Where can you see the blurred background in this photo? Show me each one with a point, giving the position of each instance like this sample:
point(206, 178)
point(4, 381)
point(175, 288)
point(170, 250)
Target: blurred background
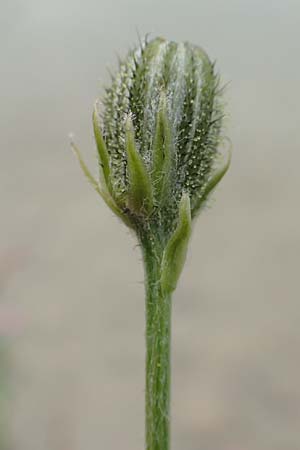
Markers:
point(71, 279)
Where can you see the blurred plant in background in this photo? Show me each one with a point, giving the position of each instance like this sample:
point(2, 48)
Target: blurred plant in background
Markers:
point(4, 390)
point(11, 322)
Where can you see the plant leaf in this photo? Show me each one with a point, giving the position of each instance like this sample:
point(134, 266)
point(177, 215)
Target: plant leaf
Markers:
point(175, 252)
point(103, 194)
point(215, 178)
point(140, 197)
point(102, 151)
point(162, 152)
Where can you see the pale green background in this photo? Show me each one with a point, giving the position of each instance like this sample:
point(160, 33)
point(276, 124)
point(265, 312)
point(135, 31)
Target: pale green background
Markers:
point(77, 361)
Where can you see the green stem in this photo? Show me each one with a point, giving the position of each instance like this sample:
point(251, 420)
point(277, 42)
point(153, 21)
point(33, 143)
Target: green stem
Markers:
point(158, 330)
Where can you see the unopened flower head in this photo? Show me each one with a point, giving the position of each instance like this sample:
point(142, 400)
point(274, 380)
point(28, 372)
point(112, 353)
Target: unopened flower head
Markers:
point(158, 127)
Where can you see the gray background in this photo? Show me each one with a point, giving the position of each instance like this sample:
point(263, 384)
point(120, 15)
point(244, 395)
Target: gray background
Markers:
point(71, 275)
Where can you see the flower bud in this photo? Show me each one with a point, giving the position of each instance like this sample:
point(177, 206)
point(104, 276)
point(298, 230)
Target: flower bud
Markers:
point(170, 94)
point(158, 129)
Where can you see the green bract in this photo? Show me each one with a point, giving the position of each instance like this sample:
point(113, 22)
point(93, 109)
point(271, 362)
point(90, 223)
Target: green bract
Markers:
point(157, 129)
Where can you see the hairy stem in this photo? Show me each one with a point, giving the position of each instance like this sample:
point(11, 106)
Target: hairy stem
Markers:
point(158, 330)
